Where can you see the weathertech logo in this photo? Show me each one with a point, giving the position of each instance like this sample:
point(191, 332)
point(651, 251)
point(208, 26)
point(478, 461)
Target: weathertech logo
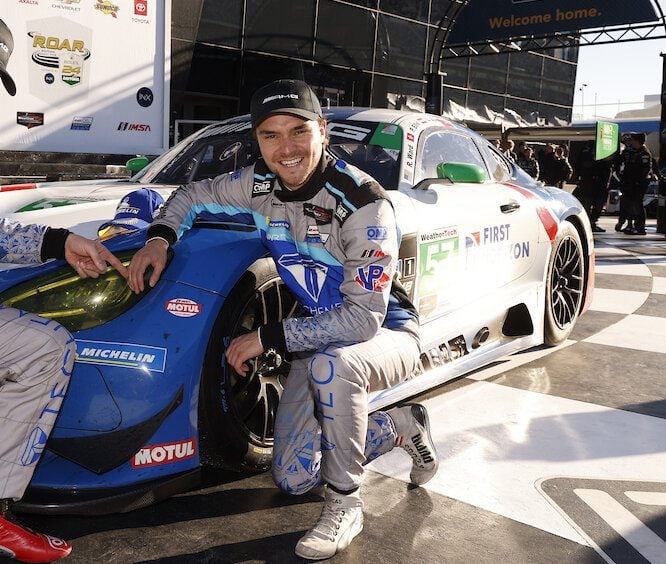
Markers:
point(154, 455)
point(140, 127)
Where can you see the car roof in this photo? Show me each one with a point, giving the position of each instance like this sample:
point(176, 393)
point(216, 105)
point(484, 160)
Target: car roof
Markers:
point(368, 114)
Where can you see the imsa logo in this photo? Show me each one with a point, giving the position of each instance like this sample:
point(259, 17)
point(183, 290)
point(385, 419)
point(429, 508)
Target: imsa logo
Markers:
point(138, 127)
point(155, 455)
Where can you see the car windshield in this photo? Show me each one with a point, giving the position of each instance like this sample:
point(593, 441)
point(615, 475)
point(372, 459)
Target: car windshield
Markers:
point(373, 147)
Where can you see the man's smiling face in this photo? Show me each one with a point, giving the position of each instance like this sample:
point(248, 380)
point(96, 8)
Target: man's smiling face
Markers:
point(291, 147)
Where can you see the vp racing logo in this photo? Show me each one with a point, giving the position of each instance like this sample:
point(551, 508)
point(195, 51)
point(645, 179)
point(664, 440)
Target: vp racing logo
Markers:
point(308, 273)
point(66, 55)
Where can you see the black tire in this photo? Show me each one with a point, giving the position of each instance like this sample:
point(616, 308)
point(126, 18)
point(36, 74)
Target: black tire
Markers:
point(237, 414)
point(565, 285)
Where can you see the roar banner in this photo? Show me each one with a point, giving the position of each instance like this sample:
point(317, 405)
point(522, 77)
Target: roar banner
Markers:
point(88, 75)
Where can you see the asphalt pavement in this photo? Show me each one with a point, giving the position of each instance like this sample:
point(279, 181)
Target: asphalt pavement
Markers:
point(549, 456)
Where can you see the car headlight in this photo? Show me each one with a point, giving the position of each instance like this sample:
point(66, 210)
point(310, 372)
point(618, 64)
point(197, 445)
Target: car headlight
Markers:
point(76, 303)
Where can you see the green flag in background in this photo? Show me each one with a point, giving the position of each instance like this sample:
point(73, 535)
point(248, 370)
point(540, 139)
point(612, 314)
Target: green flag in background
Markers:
point(607, 139)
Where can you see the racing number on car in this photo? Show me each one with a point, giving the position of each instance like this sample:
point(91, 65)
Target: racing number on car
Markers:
point(438, 256)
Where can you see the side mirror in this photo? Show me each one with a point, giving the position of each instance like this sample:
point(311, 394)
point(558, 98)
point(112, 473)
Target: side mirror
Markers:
point(461, 172)
point(136, 164)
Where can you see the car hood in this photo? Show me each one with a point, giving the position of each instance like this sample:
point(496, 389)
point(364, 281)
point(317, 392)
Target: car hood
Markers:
point(80, 205)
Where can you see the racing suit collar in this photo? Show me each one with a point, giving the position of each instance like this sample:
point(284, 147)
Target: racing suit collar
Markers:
point(310, 188)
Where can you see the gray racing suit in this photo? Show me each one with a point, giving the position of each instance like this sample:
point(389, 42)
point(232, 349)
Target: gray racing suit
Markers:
point(36, 359)
point(335, 245)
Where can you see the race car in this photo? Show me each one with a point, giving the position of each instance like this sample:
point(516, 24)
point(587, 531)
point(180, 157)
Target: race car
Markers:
point(494, 262)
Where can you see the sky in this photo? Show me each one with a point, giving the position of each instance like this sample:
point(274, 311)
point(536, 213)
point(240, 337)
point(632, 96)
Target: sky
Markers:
point(618, 76)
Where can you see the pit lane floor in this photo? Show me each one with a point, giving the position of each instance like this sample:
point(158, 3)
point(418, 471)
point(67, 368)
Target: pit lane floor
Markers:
point(553, 455)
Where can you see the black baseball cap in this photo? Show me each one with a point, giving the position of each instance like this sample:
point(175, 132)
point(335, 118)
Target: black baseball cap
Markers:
point(6, 48)
point(292, 97)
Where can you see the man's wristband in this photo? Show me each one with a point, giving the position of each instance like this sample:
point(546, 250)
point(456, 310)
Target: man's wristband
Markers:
point(156, 238)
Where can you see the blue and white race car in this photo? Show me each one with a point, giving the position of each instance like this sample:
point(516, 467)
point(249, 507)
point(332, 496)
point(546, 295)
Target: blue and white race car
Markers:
point(494, 262)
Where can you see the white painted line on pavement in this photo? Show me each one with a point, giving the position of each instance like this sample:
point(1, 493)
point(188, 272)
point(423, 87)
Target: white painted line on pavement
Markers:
point(626, 524)
point(617, 301)
point(639, 332)
point(495, 442)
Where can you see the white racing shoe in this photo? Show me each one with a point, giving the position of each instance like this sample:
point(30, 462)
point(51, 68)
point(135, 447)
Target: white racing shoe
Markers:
point(340, 521)
point(413, 429)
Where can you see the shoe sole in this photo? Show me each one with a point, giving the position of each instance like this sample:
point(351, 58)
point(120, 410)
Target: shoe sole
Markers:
point(426, 425)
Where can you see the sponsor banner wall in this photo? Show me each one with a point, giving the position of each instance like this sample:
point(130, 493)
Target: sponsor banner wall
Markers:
point(90, 75)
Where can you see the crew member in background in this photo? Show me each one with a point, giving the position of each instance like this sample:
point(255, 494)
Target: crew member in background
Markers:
point(635, 179)
point(592, 184)
point(528, 162)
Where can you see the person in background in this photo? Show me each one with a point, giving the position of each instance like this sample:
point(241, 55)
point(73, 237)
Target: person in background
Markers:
point(509, 150)
point(635, 179)
point(36, 360)
point(332, 231)
point(564, 168)
point(592, 184)
point(528, 162)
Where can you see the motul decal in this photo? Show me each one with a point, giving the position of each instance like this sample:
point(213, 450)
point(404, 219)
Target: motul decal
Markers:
point(182, 307)
point(154, 455)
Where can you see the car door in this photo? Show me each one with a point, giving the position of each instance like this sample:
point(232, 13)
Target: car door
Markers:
point(473, 238)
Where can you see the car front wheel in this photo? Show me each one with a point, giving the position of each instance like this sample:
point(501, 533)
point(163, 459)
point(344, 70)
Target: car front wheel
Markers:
point(237, 413)
point(564, 285)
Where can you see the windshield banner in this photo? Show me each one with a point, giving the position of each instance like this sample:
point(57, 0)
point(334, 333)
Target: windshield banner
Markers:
point(86, 76)
point(506, 19)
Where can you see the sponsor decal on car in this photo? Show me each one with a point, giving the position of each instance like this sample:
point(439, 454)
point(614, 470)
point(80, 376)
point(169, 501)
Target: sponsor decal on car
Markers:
point(30, 119)
point(128, 355)
point(107, 8)
point(138, 127)
point(82, 123)
point(496, 233)
point(183, 307)
point(372, 278)
point(31, 2)
point(166, 453)
point(438, 265)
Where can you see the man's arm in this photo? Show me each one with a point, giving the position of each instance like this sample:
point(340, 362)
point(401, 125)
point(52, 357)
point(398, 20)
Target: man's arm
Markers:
point(227, 194)
point(32, 244)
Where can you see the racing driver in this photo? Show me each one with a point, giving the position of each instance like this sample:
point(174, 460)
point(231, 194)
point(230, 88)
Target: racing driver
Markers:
point(332, 232)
